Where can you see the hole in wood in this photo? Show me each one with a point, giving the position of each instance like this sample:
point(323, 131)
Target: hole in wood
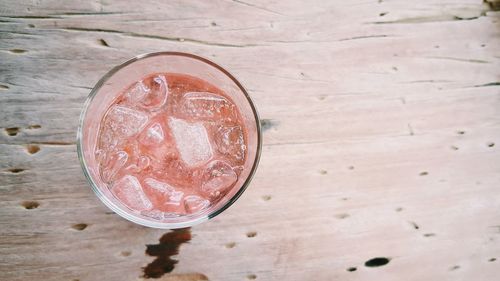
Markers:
point(12, 131)
point(266, 197)
point(454, 147)
point(342, 216)
point(376, 262)
point(455, 267)
point(461, 132)
point(17, 51)
point(351, 269)
point(32, 148)
point(414, 225)
point(125, 253)
point(251, 276)
point(16, 170)
point(423, 173)
point(323, 172)
point(30, 204)
point(230, 245)
point(31, 25)
point(251, 234)
point(429, 234)
point(399, 209)
point(3, 87)
point(350, 167)
point(492, 259)
point(491, 144)
point(79, 226)
point(103, 42)
point(34, 126)
point(213, 23)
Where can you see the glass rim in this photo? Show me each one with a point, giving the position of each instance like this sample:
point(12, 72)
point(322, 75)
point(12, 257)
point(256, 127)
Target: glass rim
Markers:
point(132, 217)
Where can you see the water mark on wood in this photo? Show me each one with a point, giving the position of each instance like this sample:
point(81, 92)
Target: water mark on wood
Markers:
point(168, 246)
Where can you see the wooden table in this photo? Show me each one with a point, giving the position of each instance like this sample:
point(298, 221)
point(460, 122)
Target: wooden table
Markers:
point(381, 156)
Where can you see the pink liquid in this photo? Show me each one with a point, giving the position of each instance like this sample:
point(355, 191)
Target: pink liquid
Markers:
point(170, 145)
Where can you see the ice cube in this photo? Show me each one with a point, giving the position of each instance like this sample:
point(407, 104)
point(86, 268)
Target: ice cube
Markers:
point(143, 162)
point(123, 122)
point(206, 106)
point(219, 178)
point(100, 156)
point(114, 163)
point(129, 191)
point(191, 140)
point(150, 93)
point(152, 135)
point(137, 92)
point(194, 203)
point(230, 141)
point(140, 164)
point(174, 196)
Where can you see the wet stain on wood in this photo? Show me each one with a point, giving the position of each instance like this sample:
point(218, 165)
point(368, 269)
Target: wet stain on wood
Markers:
point(163, 251)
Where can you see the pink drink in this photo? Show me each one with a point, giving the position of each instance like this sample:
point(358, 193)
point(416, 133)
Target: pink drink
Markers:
point(171, 145)
point(169, 140)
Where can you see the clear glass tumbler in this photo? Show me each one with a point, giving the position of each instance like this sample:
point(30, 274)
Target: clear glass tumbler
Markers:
point(115, 81)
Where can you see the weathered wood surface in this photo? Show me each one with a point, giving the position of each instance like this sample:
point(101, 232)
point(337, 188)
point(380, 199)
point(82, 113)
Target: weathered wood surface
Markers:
point(382, 138)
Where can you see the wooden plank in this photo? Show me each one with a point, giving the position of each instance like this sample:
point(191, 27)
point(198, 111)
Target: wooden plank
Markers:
point(382, 135)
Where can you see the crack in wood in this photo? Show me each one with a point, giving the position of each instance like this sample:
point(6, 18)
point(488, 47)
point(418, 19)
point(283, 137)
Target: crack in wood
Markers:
point(430, 19)
point(171, 39)
point(17, 32)
point(425, 81)
point(457, 59)
point(41, 143)
point(86, 14)
point(257, 7)
point(488, 84)
point(53, 143)
point(32, 17)
point(364, 37)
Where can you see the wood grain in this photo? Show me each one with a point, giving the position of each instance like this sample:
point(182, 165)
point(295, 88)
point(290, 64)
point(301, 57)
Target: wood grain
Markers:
point(382, 138)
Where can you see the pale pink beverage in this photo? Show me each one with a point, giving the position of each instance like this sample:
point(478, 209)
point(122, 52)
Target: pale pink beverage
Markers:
point(168, 148)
